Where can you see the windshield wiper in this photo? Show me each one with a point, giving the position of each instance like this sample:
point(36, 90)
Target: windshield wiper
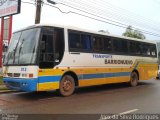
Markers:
point(7, 58)
point(34, 49)
point(10, 54)
point(20, 49)
point(15, 52)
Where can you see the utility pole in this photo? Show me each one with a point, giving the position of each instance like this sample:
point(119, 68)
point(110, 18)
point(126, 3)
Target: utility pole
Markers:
point(1, 41)
point(38, 11)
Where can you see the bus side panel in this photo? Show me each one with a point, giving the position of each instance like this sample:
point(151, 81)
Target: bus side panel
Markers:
point(147, 70)
point(49, 79)
point(98, 76)
point(100, 81)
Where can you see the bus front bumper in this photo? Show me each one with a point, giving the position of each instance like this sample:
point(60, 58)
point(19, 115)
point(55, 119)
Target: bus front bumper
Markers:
point(28, 85)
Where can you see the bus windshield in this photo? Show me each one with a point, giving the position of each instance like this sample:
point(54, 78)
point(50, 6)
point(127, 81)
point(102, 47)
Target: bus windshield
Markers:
point(23, 47)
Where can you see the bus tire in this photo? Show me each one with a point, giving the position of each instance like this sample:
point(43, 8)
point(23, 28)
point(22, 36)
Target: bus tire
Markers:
point(67, 85)
point(134, 79)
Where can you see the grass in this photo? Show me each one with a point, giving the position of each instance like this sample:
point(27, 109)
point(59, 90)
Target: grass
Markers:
point(1, 82)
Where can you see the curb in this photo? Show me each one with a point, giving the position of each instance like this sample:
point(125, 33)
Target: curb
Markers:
point(3, 87)
point(3, 90)
point(7, 91)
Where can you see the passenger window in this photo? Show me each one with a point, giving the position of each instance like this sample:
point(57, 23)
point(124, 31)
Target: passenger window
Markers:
point(98, 44)
point(132, 47)
point(107, 44)
point(117, 45)
point(79, 42)
point(146, 49)
point(59, 45)
point(138, 48)
point(74, 41)
point(86, 42)
point(124, 46)
point(153, 50)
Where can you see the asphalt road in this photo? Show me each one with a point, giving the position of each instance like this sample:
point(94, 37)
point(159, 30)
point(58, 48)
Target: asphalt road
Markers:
point(105, 99)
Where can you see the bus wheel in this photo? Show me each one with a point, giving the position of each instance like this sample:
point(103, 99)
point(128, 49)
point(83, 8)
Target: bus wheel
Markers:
point(134, 79)
point(67, 85)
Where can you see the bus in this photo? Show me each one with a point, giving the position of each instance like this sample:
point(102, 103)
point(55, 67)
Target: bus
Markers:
point(55, 57)
point(158, 49)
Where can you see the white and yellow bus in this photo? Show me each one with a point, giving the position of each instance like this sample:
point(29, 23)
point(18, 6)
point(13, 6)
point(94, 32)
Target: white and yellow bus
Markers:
point(158, 51)
point(46, 57)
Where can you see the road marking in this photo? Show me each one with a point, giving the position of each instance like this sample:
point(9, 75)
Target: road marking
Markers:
point(128, 112)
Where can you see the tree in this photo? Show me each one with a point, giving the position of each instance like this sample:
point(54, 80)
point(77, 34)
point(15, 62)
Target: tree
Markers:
point(133, 33)
point(104, 31)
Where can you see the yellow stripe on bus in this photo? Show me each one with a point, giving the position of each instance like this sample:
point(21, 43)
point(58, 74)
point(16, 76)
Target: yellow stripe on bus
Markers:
point(48, 86)
point(100, 81)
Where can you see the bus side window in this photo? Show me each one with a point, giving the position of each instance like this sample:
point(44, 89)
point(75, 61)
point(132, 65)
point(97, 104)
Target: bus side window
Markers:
point(86, 42)
point(117, 45)
point(153, 51)
point(79, 42)
point(46, 52)
point(124, 46)
point(98, 44)
point(107, 44)
point(138, 48)
point(59, 45)
point(132, 47)
point(146, 49)
point(74, 41)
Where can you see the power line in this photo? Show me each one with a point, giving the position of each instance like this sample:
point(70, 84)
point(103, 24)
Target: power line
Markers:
point(129, 12)
point(118, 25)
point(99, 11)
point(112, 10)
point(117, 14)
point(130, 17)
point(121, 18)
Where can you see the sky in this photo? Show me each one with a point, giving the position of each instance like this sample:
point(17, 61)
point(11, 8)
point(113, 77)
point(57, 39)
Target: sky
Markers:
point(141, 14)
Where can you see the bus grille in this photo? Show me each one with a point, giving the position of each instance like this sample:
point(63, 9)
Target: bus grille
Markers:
point(13, 84)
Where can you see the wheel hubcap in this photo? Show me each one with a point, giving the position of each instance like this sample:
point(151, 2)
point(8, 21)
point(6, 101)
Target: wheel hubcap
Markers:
point(134, 79)
point(67, 85)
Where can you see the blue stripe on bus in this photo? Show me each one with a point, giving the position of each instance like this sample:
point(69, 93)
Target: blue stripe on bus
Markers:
point(90, 76)
point(31, 84)
point(22, 84)
point(104, 75)
point(43, 79)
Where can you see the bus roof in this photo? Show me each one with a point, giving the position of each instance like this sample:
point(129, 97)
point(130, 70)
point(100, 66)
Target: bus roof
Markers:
point(87, 31)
